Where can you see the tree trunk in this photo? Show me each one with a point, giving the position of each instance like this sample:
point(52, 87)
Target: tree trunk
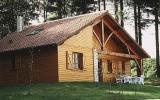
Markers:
point(121, 8)
point(157, 37)
point(139, 24)
point(64, 8)
point(12, 29)
point(2, 31)
point(59, 4)
point(135, 21)
point(45, 11)
point(116, 10)
point(99, 5)
point(104, 4)
point(85, 7)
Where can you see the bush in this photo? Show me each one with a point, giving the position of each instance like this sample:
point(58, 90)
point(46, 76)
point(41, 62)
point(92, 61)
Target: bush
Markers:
point(149, 67)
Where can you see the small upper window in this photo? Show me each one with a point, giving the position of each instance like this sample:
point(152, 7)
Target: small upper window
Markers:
point(77, 60)
point(35, 32)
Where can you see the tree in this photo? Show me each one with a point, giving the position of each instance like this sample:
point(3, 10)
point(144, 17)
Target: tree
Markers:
point(45, 4)
point(121, 13)
point(104, 4)
point(157, 37)
point(83, 6)
point(99, 5)
point(154, 10)
point(116, 10)
point(139, 24)
point(135, 20)
point(66, 8)
point(10, 9)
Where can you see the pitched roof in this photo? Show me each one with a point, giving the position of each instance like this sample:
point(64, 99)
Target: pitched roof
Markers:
point(127, 39)
point(53, 32)
point(56, 32)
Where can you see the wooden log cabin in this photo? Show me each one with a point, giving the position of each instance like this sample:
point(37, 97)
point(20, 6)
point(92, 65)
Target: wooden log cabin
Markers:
point(91, 48)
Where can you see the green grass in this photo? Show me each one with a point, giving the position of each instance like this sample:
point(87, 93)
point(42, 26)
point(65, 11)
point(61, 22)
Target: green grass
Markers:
point(152, 81)
point(80, 91)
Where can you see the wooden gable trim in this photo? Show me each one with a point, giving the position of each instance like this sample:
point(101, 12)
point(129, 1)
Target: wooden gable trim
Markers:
point(97, 38)
point(116, 34)
point(96, 22)
point(120, 55)
point(128, 51)
point(108, 39)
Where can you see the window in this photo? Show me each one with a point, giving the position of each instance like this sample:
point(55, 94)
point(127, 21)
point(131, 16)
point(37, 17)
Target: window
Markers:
point(109, 63)
point(34, 32)
point(77, 60)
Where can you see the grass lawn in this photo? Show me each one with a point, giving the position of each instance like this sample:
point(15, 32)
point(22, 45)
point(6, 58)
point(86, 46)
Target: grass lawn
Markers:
point(80, 91)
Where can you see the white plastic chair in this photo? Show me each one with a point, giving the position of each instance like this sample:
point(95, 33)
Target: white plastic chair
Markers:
point(141, 80)
point(127, 79)
point(138, 80)
point(119, 79)
point(135, 80)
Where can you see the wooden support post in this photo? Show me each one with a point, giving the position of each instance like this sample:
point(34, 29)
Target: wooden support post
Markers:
point(108, 39)
point(103, 35)
point(139, 67)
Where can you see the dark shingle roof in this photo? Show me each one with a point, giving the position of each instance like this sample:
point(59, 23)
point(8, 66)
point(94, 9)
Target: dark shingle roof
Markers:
point(54, 32)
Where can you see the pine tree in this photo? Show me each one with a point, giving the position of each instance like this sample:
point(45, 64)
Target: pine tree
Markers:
point(157, 37)
point(10, 9)
point(121, 13)
point(116, 10)
point(139, 24)
point(135, 20)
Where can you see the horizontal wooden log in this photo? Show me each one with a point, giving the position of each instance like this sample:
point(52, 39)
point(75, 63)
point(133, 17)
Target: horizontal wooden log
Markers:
point(119, 54)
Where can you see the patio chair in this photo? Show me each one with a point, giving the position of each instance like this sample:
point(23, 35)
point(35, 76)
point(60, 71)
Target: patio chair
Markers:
point(134, 80)
point(119, 79)
point(138, 80)
point(127, 79)
point(141, 80)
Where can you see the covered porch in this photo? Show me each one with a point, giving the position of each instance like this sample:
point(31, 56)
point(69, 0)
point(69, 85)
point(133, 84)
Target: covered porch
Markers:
point(113, 65)
point(115, 48)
